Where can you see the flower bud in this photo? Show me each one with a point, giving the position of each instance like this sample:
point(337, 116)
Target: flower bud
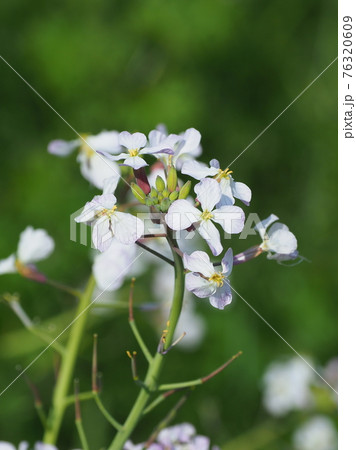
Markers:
point(165, 204)
point(173, 196)
point(153, 192)
point(149, 201)
point(160, 184)
point(172, 179)
point(165, 193)
point(138, 193)
point(184, 192)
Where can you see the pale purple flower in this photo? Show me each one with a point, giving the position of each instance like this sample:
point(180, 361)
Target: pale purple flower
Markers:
point(181, 215)
point(230, 188)
point(34, 246)
point(94, 167)
point(278, 241)
point(101, 213)
point(205, 281)
point(135, 146)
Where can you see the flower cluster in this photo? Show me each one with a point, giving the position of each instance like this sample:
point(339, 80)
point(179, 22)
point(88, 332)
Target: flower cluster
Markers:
point(177, 437)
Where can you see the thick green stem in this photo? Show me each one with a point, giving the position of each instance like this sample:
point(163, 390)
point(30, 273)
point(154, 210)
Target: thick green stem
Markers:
point(65, 375)
point(155, 366)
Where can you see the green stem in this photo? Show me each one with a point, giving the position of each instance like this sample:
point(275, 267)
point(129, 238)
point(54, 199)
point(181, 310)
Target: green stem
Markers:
point(82, 436)
point(106, 413)
point(155, 366)
point(140, 341)
point(65, 375)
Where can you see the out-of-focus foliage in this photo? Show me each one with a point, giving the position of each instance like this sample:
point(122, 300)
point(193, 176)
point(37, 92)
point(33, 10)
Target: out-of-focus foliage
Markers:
point(227, 68)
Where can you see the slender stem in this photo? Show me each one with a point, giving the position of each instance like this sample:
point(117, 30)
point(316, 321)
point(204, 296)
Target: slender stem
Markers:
point(59, 401)
point(63, 287)
point(155, 366)
point(169, 261)
point(106, 413)
point(140, 341)
point(81, 396)
point(82, 436)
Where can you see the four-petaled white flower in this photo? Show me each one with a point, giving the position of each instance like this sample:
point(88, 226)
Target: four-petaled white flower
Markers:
point(181, 215)
point(229, 187)
point(278, 242)
point(205, 281)
point(135, 145)
point(108, 223)
point(94, 167)
point(34, 246)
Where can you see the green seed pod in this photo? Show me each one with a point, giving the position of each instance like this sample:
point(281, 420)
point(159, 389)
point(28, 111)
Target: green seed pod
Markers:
point(160, 184)
point(173, 195)
point(153, 192)
point(138, 193)
point(184, 192)
point(172, 179)
point(165, 204)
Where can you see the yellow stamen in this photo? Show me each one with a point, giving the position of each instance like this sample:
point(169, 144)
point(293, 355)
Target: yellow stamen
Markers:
point(133, 151)
point(206, 215)
point(217, 278)
point(223, 174)
point(85, 148)
point(106, 212)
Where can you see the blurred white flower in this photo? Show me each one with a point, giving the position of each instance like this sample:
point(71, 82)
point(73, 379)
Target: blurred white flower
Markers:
point(318, 433)
point(177, 437)
point(25, 446)
point(287, 386)
point(94, 167)
point(230, 188)
point(278, 242)
point(34, 246)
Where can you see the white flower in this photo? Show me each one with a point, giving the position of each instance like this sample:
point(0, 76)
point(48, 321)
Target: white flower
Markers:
point(181, 215)
point(34, 246)
point(24, 446)
point(108, 223)
point(135, 145)
point(94, 167)
point(287, 386)
point(112, 266)
point(318, 433)
point(278, 242)
point(205, 281)
point(229, 187)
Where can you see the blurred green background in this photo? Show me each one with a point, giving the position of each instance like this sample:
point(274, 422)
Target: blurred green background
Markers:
point(227, 68)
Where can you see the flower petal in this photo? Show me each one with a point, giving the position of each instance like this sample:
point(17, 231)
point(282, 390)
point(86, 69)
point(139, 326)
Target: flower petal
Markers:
point(210, 233)
point(199, 261)
point(7, 265)
point(208, 193)
point(214, 163)
point(110, 184)
point(198, 170)
point(106, 141)
point(136, 162)
point(132, 141)
point(231, 218)
point(227, 262)
point(181, 215)
point(241, 191)
point(60, 147)
point(282, 241)
point(262, 226)
point(201, 287)
point(97, 168)
point(127, 228)
point(222, 297)
point(226, 198)
point(102, 234)
point(34, 245)
point(191, 140)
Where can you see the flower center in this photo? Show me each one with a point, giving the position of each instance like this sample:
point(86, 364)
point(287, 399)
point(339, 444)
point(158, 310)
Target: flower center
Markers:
point(206, 215)
point(85, 148)
point(107, 212)
point(217, 278)
point(223, 174)
point(133, 151)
